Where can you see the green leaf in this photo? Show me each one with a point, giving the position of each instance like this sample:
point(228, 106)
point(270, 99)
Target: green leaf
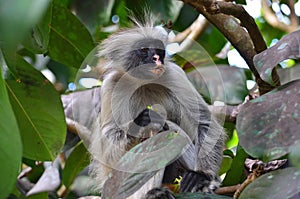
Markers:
point(289, 74)
point(17, 17)
point(294, 156)
point(43, 195)
point(278, 184)
point(10, 144)
point(38, 38)
point(287, 47)
point(142, 162)
point(226, 164)
point(38, 110)
point(77, 161)
point(93, 13)
point(70, 42)
point(269, 125)
point(235, 174)
point(222, 83)
point(241, 2)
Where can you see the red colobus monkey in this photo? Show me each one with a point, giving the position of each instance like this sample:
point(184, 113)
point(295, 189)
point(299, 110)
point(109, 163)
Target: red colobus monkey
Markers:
point(138, 74)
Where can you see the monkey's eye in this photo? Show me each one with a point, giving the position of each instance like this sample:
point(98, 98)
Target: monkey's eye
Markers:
point(144, 50)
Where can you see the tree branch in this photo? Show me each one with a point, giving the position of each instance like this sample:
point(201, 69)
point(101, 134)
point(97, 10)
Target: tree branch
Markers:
point(236, 34)
point(271, 18)
point(246, 20)
point(191, 33)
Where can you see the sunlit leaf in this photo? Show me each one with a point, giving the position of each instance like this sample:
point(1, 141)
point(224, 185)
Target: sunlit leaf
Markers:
point(49, 181)
point(226, 164)
point(278, 184)
point(10, 143)
point(269, 125)
point(38, 110)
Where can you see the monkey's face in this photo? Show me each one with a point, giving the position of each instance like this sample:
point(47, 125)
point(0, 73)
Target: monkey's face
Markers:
point(146, 60)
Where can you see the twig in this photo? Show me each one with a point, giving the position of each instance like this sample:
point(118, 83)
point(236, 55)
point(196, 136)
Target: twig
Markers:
point(251, 177)
point(227, 190)
point(223, 53)
point(271, 18)
point(189, 35)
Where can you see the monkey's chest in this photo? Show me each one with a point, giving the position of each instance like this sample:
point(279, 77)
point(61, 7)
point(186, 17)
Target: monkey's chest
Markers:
point(156, 97)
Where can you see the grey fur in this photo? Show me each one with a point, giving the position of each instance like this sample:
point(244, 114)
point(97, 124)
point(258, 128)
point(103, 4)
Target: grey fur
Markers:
point(123, 97)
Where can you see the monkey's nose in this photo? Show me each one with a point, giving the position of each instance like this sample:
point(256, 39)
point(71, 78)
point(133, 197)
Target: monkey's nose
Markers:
point(156, 59)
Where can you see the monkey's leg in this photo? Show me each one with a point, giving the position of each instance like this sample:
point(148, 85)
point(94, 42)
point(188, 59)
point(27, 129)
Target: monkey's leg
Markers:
point(208, 148)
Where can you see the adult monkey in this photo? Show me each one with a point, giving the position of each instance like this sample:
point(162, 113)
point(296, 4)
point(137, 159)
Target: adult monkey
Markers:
point(137, 75)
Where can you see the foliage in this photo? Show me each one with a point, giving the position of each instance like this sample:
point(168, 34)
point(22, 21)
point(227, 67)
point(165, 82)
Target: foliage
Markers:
point(63, 35)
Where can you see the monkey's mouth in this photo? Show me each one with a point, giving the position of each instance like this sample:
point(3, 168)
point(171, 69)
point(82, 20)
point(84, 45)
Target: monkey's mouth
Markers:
point(158, 69)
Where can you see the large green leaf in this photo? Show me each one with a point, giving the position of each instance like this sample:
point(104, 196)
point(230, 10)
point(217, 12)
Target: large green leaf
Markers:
point(235, 174)
point(269, 125)
point(38, 110)
point(287, 47)
point(289, 74)
point(93, 13)
point(70, 42)
point(10, 143)
point(142, 162)
point(77, 161)
point(278, 184)
point(17, 17)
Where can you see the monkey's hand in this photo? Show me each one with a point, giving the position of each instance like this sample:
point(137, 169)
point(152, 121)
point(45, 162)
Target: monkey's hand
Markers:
point(198, 182)
point(147, 124)
point(159, 193)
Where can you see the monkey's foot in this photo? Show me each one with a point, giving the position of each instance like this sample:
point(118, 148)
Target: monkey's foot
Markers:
point(159, 193)
point(198, 182)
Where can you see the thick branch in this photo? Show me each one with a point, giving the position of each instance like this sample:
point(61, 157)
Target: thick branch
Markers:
point(238, 37)
point(246, 20)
